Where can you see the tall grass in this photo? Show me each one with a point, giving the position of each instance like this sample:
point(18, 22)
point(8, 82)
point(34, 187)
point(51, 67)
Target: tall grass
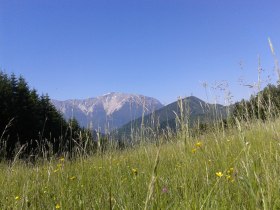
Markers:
point(237, 171)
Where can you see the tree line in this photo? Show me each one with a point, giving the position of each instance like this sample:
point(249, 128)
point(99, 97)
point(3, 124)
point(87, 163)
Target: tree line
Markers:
point(30, 123)
point(262, 106)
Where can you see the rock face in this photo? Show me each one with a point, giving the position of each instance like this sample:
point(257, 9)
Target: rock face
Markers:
point(109, 111)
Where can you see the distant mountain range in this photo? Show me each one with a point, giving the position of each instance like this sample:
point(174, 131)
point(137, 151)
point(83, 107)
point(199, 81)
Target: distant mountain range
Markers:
point(107, 112)
point(120, 112)
point(192, 108)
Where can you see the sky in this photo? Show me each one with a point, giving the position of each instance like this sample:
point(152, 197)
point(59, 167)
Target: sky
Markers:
point(160, 48)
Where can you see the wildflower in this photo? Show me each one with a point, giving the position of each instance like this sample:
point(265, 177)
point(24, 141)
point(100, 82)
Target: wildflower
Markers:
point(61, 159)
point(230, 171)
point(57, 206)
point(230, 178)
point(17, 198)
point(219, 174)
point(198, 144)
point(194, 150)
point(135, 171)
point(73, 178)
point(164, 190)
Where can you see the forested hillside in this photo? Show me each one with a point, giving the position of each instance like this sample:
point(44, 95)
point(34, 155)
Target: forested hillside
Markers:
point(30, 123)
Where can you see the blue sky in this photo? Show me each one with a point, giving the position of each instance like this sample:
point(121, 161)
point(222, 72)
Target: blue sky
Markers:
point(159, 48)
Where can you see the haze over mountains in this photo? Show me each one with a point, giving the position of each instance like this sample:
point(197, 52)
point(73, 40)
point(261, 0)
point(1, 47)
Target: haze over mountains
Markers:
point(124, 111)
point(109, 111)
point(192, 108)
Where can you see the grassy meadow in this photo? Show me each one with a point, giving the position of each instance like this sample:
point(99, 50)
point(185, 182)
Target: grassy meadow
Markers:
point(237, 168)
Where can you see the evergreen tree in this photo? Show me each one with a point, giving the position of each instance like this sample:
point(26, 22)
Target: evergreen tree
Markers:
point(29, 120)
point(264, 105)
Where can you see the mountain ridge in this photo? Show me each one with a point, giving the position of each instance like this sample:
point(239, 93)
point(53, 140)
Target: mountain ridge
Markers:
point(194, 110)
point(109, 111)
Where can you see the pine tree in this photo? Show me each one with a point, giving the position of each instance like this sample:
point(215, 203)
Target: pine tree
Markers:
point(35, 123)
point(263, 105)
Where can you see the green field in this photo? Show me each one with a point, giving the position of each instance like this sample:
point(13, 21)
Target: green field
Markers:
point(233, 169)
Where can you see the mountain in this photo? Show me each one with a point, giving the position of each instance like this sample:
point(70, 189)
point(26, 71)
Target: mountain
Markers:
point(194, 110)
point(109, 111)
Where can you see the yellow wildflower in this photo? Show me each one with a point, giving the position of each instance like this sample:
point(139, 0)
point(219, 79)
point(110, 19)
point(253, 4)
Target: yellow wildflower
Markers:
point(230, 171)
point(198, 144)
point(57, 206)
point(219, 174)
point(134, 171)
point(17, 198)
point(230, 178)
point(193, 150)
point(73, 178)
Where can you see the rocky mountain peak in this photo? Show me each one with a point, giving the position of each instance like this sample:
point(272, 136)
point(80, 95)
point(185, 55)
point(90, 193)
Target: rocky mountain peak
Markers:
point(115, 108)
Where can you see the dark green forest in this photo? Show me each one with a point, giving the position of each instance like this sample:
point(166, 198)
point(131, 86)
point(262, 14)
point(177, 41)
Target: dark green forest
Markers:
point(29, 123)
point(263, 106)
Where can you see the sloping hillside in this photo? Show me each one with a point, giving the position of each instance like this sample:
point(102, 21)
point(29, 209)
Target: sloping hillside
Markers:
point(189, 110)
